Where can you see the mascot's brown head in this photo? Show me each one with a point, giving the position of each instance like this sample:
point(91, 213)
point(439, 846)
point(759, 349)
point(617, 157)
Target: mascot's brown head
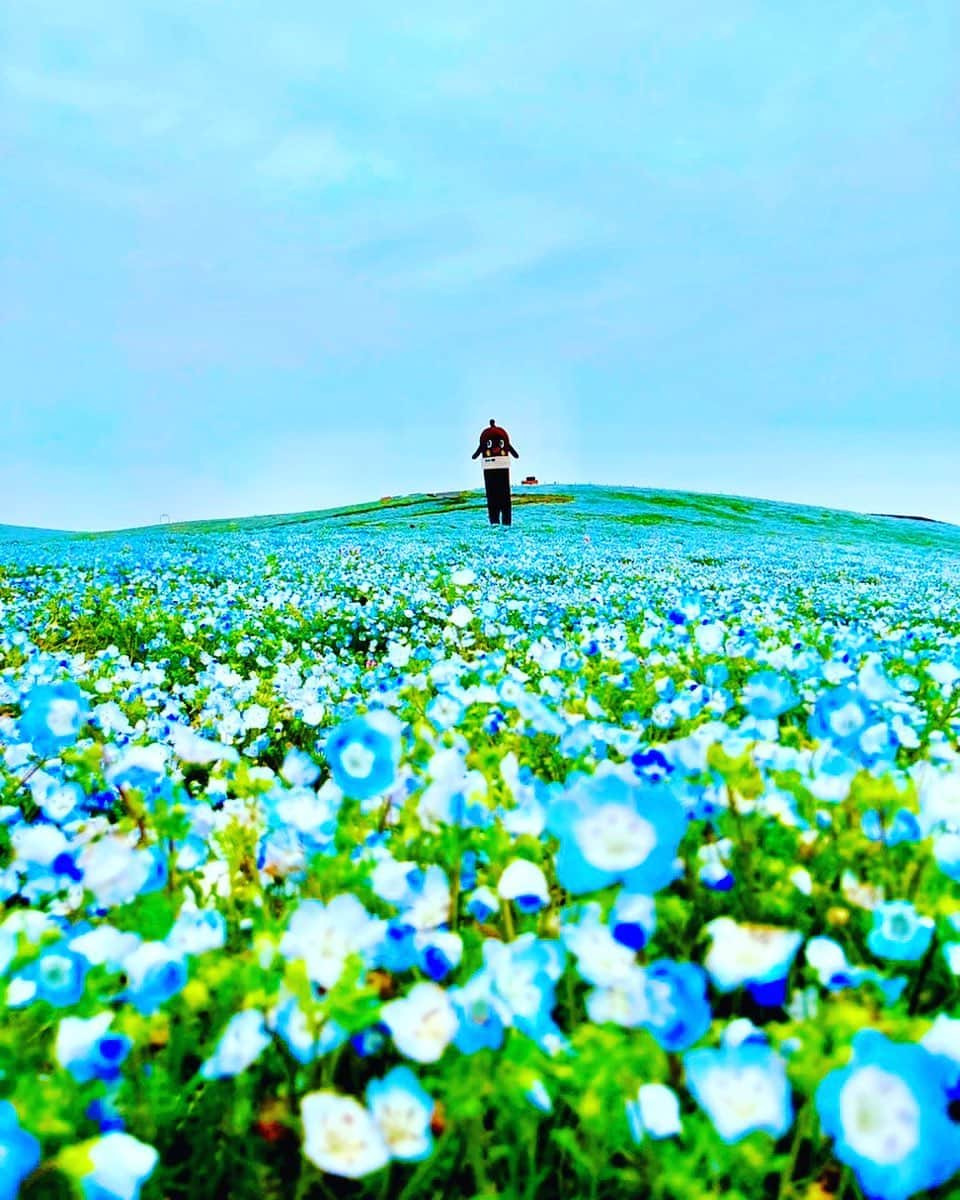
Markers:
point(494, 440)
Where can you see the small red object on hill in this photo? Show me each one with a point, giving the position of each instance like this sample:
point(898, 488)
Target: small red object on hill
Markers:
point(530, 479)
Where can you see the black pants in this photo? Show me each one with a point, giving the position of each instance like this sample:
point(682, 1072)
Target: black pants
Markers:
point(497, 483)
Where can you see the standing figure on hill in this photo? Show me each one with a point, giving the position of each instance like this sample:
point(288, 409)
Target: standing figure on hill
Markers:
point(496, 449)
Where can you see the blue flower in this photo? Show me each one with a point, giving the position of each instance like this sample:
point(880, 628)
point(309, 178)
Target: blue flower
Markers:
point(155, 972)
point(766, 695)
point(678, 1010)
point(633, 919)
point(611, 832)
point(524, 973)
point(364, 753)
point(19, 1152)
point(60, 976)
point(103, 1113)
point(306, 1039)
point(742, 1088)
point(841, 715)
point(241, 1044)
point(480, 1015)
point(887, 1113)
point(88, 1050)
point(899, 932)
point(53, 715)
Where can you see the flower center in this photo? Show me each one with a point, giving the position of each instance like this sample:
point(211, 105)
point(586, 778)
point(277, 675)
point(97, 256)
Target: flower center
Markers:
point(358, 760)
point(881, 1117)
point(62, 717)
point(615, 838)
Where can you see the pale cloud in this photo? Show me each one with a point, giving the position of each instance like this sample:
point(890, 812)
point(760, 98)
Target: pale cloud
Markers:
point(318, 157)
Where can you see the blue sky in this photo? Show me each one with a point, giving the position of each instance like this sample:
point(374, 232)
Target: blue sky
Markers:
point(268, 258)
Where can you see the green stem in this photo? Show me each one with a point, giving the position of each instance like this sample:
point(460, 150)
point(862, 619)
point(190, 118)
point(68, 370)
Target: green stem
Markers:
point(509, 929)
point(921, 975)
point(786, 1175)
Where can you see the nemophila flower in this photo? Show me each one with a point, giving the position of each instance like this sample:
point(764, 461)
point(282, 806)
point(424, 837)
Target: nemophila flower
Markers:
point(364, 754)
point(650, 764)
point(438, 952)
point(140, 767)
point(426, 901)
point(524, 973)
point(741, 1088)
point(59, 803)
point(88, 1050)
point(19, 1152)
point(714, 872)
point(114, 1167)
point(623, 1002)
point(241, 1044)
point(611, 832)
point(943, 1038)
point(678, 1012)
point(58, 975)
point(402, 1110)
point(38, 845)
point(307, 1038)
point(191, 747)
point(601, 959)
point(53, 715)
point(767, 695)
point(756, 956)
point(423, 1023)
point(525, 884)
point(104, 1114)
point(481, 1015)
point(654, 1113)
point(398, 951)
point(325, 935)
point(633, 919)
point(899, 932)
point(340, 1136)
point(444, 712)
point(299, 769)
point(946, 852)
point(113, 870)
point(828, 959)
point(197, 930)
point(155, 972)
point(104, 946)
point(887, 1114)
point(939, 796)
point(482, 904)
point(841, 715)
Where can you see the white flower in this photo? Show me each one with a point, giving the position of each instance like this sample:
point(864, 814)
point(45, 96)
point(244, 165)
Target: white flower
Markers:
point(423, 1023)
point(242, 1042)
point(943, 1037)
point(76, 1037)
point(340, 1136)
point(120, 1165)
point(656, 1111)
point(748, 953)
point(523, 878)
point(461, 616)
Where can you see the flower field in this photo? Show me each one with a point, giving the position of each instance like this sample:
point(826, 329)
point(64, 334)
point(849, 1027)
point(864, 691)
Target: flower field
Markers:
point(386, 854)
